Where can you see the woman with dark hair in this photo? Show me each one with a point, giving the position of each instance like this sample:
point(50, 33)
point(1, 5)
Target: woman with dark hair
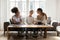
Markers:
point(16, 19)
point(41, 18)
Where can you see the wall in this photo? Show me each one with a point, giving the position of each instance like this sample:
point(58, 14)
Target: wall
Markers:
point(51, 8)
point(0, 13)
point(3, 14)
point(58, 11)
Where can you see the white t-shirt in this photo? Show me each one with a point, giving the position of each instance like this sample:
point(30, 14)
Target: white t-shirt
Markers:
point(29, 20)
point(16, 19)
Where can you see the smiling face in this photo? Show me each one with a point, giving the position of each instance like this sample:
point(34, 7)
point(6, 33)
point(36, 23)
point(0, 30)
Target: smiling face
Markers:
point(39, 11)
point(17, 13)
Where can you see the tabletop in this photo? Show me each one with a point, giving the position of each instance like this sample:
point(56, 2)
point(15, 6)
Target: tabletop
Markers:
point(31, 26)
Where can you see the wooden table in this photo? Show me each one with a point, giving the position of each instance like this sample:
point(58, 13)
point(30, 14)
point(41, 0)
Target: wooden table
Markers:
point(29, 26)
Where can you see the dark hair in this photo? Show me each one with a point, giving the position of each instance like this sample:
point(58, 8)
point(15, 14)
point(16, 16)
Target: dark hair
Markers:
point(14, 10)
point(40, 9)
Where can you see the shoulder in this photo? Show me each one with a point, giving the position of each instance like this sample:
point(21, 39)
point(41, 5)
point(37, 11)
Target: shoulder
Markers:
point(44, 13)
point(33, 17)
point(13, 16)
point(38, 16)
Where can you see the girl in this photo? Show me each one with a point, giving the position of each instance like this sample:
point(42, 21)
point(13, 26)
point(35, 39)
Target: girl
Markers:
point(30, 19)
point(16, 19)
point(41, 18)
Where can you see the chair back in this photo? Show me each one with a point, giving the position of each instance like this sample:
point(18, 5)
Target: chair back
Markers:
point(49, 20)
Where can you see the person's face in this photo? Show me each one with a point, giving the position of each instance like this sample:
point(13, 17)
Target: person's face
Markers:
point(18, 13)
point(31, 12)
point(38, 12)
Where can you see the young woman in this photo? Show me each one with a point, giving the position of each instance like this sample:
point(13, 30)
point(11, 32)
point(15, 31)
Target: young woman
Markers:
point(30, 19)
point(16, 19)
point(41, 17)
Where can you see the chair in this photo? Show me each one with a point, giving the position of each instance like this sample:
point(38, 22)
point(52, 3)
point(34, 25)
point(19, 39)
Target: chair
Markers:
point(54, 24)
point(58, 29)
point(49, 20)
point(5, 26)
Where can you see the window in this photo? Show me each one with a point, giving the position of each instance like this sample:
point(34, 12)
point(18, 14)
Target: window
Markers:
point(26, 5)
point(21, 4)
point(34, 4)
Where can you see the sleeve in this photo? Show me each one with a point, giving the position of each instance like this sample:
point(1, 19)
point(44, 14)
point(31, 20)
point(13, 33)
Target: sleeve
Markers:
point(38, 20)
point(44, 20)
point(13, 17)
point(20, 18)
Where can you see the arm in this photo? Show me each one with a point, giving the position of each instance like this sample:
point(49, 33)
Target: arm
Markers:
point(20, 21)
point(44, 20)
point(36, 20)
point(13, 20)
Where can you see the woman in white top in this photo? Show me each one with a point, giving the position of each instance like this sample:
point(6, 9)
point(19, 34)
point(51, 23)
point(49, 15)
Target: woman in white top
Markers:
point(30, 19)
point(16, 19)
point(41, 18)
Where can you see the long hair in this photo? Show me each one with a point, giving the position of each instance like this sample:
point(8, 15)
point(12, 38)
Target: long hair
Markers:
point(44, 15)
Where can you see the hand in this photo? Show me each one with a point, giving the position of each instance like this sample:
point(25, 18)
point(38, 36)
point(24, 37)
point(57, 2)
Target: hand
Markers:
point(35, 22)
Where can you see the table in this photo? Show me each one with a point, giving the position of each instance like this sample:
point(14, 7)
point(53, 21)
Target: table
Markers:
point(29, 26)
